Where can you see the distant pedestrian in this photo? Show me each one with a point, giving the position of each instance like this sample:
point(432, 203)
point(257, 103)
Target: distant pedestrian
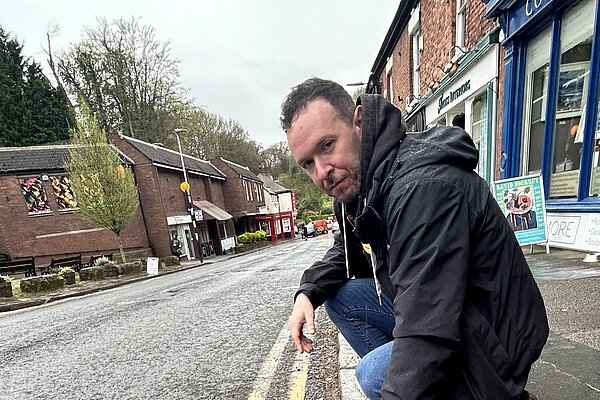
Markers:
point(176, 246)
point(305, 232)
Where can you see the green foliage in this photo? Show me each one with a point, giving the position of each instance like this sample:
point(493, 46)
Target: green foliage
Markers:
point(65, 271)
point(211, 136)
point(32, 111)
point(105, 190)
point(100, 261)
point(262, 235)
point(244, 238)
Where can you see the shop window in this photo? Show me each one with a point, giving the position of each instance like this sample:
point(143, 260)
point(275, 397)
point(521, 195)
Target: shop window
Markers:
point(479, 124)
point(416, 61)
point(572, 86)
point(62, 191)
point(538, 53)
point(35, 195)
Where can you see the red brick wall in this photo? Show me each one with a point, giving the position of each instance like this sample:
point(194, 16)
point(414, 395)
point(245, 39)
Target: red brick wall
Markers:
point(56, 234)
point(438, 30)
point(233, 189)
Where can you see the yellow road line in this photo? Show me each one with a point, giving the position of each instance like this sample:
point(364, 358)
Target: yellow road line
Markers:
point(265, 376)
point(298, 379)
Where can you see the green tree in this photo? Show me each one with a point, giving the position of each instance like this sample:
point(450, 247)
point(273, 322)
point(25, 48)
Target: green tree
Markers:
point(128, 78)
point(32, 111)
point(211, 136)
point(105, 190)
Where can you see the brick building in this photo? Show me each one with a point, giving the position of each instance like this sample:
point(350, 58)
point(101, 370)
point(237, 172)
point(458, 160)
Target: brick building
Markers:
point(158, 173)
point(245, 195)
point(441, 64)
point(280, 201)
point(39, 214)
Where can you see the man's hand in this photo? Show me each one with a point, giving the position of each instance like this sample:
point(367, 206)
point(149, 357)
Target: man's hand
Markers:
point(303, 313)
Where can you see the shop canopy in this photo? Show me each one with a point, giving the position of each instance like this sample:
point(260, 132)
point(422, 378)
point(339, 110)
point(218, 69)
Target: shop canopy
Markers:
point(212, 211)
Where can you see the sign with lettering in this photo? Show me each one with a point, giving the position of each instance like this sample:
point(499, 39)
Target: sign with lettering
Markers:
point(577, 231)
point(448, 98)
point(525, 13)
point(152, 266)
point(521, 199)
point(464, 84)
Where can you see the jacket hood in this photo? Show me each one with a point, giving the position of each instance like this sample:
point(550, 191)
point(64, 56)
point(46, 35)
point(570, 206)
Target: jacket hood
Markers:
point(382, 131)
point(387, 146)
point(448, 145)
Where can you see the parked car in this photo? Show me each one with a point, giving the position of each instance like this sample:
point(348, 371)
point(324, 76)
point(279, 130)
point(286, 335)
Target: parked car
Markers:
point(320, 226)
point(335, 226)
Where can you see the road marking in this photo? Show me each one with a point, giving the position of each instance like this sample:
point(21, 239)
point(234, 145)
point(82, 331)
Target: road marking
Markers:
point(299, 376)
point(265, 376)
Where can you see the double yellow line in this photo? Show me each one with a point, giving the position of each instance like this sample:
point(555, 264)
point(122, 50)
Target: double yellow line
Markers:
point(266, 374)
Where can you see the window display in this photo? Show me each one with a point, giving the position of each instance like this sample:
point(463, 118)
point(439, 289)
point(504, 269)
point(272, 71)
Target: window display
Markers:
point(536, 86)
point(479, 130)
point(572, 86)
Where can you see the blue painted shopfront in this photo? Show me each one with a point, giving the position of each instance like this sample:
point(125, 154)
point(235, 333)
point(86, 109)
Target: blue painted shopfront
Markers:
point(551, 121)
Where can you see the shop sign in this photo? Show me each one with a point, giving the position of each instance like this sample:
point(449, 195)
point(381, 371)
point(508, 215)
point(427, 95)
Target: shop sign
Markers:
point(198, 216)
point(521, 199)
point(575, 231)
point(179, 219)
point(446, 100)
point(524, 14)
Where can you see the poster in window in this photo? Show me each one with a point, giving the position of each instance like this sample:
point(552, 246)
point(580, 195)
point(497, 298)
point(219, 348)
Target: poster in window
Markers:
point(521, 199)
point(62, 191)
point(571, 86)
point(35, 196)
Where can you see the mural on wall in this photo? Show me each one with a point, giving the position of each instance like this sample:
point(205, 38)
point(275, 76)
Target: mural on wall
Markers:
point(35, 196)
point(62, 190)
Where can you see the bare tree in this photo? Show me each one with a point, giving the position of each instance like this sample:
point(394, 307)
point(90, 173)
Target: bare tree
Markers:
point(128, 78)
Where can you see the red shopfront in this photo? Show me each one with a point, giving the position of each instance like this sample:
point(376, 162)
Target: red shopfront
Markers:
point(278, 226)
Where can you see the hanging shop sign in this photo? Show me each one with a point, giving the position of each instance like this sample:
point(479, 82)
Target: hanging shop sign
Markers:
point(521, 199)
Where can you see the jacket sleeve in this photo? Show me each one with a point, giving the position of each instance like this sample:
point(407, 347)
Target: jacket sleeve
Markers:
point(326, 276)
point(428, 226)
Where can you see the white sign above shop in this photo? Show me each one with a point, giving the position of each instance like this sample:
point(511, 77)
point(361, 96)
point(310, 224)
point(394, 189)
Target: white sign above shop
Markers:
point(465, 84)
point(179, 219)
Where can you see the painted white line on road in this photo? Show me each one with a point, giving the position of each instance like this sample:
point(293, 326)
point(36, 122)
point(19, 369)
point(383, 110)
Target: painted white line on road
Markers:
point(265, 376)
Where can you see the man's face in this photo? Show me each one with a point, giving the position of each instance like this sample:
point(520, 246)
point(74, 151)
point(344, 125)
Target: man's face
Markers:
point(328, 149)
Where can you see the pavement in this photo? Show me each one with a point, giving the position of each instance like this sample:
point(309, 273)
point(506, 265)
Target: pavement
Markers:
point(569, 367)
point(87, 287)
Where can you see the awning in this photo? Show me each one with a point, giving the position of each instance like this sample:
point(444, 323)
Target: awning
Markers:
point(212, 211)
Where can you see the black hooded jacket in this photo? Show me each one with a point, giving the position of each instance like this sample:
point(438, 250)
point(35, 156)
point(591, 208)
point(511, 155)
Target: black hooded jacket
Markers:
point(470, 319)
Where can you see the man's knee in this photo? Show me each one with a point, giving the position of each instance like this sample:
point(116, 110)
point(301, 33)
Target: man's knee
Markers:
point(369, 379)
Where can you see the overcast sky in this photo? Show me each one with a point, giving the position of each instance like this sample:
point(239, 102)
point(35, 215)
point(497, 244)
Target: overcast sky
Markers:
point(238, 58)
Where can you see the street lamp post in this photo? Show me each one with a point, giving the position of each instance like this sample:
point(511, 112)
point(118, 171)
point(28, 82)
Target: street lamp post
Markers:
point(195, 236)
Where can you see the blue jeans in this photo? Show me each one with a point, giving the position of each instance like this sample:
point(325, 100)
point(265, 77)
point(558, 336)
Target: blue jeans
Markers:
point(367, 326)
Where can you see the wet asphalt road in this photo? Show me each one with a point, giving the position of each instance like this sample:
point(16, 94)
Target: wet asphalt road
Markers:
point(205, 333)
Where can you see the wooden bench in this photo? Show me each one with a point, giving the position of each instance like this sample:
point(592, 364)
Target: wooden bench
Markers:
point(64, 262)
point(93, 258)
point(24, 266)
